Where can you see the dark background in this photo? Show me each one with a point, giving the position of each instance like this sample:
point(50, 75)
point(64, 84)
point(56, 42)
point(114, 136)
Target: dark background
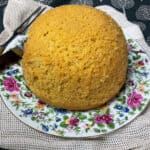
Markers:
point(137, 11)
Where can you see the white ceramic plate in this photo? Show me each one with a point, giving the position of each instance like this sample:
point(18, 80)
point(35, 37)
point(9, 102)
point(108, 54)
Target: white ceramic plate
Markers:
point(130, 102)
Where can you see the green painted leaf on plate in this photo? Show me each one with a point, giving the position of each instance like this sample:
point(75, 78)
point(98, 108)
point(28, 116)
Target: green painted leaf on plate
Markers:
point(126, 117)
point(33, 118)
point(65, 117)
point(111, 126)
point(104, 130)
point(97, 130)
point(101, 125)
point(136, 57)
point(82, 117)
point(63, 125)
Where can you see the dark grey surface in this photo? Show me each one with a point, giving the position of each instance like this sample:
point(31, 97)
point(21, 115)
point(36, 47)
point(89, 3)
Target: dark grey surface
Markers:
point(1, 17)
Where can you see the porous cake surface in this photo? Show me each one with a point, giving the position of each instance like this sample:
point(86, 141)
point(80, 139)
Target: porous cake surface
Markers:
point(75, 57)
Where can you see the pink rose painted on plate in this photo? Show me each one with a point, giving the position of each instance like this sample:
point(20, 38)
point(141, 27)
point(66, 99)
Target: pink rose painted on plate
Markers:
point(129, 47)
point(103, 119)
point(134, 99)
point(73, 121)
point(140, 63)
point(10, 84)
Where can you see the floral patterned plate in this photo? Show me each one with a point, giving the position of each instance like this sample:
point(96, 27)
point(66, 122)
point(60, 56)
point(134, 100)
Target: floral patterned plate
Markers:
point(128, 104)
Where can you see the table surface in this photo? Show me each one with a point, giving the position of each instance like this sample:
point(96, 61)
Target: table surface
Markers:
point(137, 11)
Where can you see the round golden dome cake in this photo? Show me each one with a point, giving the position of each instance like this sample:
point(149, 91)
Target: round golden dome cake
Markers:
point(75, 57)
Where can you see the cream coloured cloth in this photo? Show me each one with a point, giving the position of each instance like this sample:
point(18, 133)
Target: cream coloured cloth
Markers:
point(15, 135)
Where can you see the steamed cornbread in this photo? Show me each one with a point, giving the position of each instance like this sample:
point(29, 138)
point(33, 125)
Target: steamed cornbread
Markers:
point(75, 57)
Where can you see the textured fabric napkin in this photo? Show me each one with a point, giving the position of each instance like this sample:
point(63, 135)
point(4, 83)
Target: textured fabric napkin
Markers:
point(15, 135)
point(13, 17)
